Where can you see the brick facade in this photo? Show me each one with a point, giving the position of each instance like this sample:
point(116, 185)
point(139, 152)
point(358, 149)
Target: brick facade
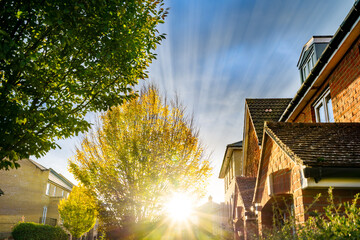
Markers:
point(252, 151)
point(345, 87)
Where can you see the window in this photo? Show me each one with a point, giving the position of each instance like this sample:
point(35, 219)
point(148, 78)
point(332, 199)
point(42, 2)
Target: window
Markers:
point(44, 215)
point(47, 189)
point(308, 66)
point(62, 193)
point(323, 108)
point(54, 194)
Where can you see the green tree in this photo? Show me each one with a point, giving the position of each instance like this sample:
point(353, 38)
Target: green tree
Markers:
point(60, 59)
point(78, 212)
point(142, 152)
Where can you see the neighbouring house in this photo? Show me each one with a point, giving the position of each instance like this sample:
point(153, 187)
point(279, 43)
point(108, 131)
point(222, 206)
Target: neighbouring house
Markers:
point(230, 169)
point(244, 219)
point(296, 148)
point(31, 194)
point(238, 190)
point(211, 219)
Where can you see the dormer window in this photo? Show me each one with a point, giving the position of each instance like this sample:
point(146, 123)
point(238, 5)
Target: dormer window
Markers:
point(310, 53)
point(323, 108)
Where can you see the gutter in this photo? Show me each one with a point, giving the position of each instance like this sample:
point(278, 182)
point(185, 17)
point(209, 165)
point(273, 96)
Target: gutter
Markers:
point(319, 173)
point(335, 42)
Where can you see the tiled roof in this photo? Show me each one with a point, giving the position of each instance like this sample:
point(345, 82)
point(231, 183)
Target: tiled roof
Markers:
point(246, 186)
point(318, 144)
point(228, 151)
point(265, 109)
point(235, 144)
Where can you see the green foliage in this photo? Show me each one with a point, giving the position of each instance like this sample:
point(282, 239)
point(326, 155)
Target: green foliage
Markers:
point(338, 221)
point(35, 231)
point(78, 212)
point(141, 152)
point(60, 59)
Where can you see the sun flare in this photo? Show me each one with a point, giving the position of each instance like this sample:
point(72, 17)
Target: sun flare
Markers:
point(180, 207)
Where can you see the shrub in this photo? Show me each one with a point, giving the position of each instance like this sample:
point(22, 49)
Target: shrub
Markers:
point(35, 231)
point(339, 221)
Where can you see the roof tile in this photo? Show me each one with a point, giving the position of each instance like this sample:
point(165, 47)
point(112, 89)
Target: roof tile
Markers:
point(319, 144)
point(265, 109)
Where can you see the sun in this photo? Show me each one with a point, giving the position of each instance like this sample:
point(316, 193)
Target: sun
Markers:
point(180, 207)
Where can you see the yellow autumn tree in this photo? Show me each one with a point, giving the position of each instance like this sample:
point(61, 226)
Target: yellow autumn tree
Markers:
point(139, 154)
point(78, 212)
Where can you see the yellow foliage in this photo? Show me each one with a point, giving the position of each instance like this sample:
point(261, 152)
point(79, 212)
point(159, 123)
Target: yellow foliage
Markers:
point(141, 152)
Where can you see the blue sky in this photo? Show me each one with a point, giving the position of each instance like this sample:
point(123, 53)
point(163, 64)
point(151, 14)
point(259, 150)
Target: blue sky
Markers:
point(217, 53)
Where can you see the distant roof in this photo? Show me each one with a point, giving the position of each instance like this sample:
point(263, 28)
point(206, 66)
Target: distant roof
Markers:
point(228, 151)
point(56, 174)
point(265, 109)
point(41, 167)
point(246, 186)
point(318, 144)
point(235, 144)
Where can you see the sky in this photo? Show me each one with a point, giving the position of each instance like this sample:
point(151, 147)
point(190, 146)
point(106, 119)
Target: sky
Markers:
point(217, 53)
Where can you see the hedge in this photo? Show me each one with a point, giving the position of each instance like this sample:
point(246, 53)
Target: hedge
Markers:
point(35, 231)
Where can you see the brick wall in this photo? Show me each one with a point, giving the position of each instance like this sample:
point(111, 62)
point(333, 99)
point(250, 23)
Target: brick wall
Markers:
point(276, 161)
point(345, 86)
point(253, 152)
point(344, 83)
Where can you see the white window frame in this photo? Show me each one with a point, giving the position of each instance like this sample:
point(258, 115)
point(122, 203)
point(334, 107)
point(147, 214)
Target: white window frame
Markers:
point(62, 193)
point(47, 192)
point(44, 215)
point(322, 102)
point(54, 193)
point(308, 65)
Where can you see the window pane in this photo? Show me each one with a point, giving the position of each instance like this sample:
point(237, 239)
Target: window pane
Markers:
point(310, 66)
point(313, 59)
point(329, 109)
point(321, 113)
point(47, 188)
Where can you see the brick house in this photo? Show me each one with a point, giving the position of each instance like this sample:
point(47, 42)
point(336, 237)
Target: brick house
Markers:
point(31, 194)
point(312, 141)
point(316, 143)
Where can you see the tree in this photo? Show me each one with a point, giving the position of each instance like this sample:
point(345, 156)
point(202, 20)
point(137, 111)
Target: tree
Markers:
point(78, 212)
point(142, 152)
point(60, 59)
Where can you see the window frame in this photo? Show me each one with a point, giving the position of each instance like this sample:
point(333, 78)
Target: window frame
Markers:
point(43, 220)
point(47, 191)
point(321, 101)
point(308, 65)
point(54, 193)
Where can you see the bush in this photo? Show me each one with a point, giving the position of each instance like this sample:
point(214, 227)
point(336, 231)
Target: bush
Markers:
point(339, 221)
point(35, 231)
